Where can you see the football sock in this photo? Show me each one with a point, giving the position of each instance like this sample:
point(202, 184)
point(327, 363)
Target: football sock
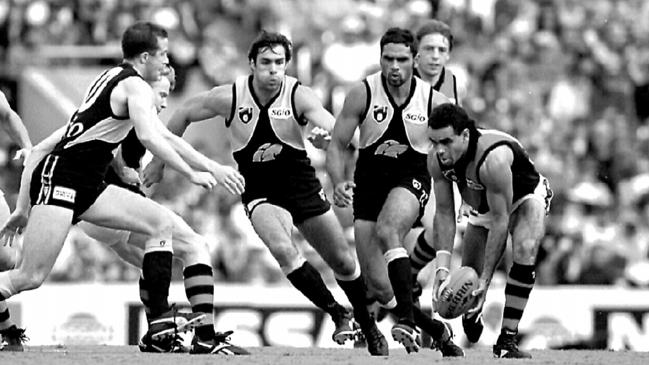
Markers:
point(520, 282)
point(355, 291)
point(156, 270)
point(144, 297)
point(399, 272)
point(199, 287)
point(308, 281)
point(5, 320)
point(422, 253)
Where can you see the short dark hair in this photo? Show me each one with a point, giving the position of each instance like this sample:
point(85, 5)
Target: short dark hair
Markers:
point(141, 37)
point(269, 40)
point(436, 26)
point(449, 114)
point(400, 36)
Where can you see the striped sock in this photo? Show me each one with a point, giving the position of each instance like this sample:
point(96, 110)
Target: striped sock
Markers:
point(144, 297)
point(199, 287)
point(520, 282)
point(422, 253)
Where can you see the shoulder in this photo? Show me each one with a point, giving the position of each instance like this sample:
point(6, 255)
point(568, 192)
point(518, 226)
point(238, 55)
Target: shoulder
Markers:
point(439, 98)
point(496, 164)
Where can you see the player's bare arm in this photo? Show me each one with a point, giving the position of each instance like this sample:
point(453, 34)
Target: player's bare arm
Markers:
point(443, 222)
point(342, 134)
point(309, 106)
point(18, 218)
point(12, 124)
point(496, 175)
point(138, 96)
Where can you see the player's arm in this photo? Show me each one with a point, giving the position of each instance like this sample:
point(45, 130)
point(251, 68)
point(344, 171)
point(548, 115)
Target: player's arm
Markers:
point(496, 175)
point(205, 105)
point(38, 153)
point(443, 222)
point(309, 106)
point(139, 99)
point(13, 125)
point(342, 134)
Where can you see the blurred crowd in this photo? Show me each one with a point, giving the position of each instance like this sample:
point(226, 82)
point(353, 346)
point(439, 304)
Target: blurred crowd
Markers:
point(569, 78)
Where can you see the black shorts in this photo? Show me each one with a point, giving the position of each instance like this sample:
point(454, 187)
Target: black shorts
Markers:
point(372, 191)
point(301, 194)
point(56, 181)
point(113, 179)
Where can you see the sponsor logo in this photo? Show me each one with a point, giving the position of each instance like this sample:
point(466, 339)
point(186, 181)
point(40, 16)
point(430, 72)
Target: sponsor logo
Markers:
point(267, 152)
point(64, 194)
point(245, 113)
point(415, 118)
point(280, 113)
point(390, 148)
point(380, 112)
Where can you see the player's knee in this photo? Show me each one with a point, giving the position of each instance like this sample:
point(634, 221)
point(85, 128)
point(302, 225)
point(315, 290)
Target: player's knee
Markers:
point(525, 250)
point(344, 264)
point(284, 253)
point(160, 224)
point(384, 232)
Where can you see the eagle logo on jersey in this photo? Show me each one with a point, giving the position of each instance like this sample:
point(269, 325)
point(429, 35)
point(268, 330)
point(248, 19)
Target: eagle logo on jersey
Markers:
point(245, 113)
point(267, 152)
point(390, 148)
point(380, 112)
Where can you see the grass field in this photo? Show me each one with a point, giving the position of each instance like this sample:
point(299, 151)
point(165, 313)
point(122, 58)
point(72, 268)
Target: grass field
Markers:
point(115, 355)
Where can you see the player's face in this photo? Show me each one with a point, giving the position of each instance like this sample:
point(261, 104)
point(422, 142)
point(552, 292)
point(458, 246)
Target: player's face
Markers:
point(157, 61)
point(396, 63)
point(270, 67)
point(434, 53)
point(160, 93)
point(449, 146)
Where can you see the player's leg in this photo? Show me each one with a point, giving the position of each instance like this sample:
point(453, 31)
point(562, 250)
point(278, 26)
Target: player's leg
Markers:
point(325, 234)
point(8, 255)
point(122, 209)
point(527, 228)
point(473, 245)
point(400, 210)
point(193, 250)
point(274, 225)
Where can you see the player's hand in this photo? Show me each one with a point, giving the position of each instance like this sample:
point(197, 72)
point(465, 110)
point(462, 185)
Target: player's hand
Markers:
point(24, 154)
point(479, 296)
point(14, 226)
point(465, 211)
point(319, 138)
point(439, 283)
point(130, 176)
point(153, 173)
point(204, 179)
point(343, 193)
point(230, 178)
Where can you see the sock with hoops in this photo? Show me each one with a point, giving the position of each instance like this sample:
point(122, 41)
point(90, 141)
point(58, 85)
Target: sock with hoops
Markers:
point(421, 254)
point(199, 287)
point(156, 270)
point(308, 281)
point(520, 282)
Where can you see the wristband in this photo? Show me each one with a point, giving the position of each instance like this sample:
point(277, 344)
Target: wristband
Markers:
point(443, 259)
point(442, 269)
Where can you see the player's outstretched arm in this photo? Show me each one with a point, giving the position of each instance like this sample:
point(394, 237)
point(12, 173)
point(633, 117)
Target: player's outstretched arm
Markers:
point(443, 222)
point(18, 218)
point(205, 105)
point(13, 125)
point(496, 175)
point(139, 98)
point(309, 105)
point(342, 134)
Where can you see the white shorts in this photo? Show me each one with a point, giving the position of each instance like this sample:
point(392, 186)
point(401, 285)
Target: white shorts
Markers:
point(542, 193)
